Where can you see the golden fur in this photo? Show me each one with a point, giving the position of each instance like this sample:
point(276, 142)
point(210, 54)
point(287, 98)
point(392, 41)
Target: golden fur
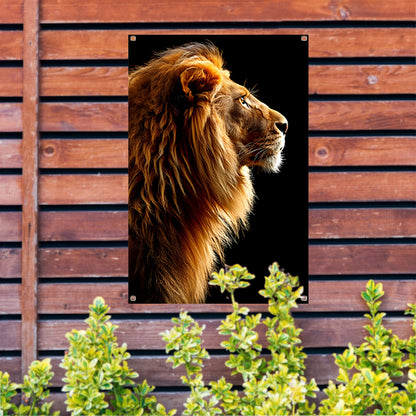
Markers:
point(192, 135)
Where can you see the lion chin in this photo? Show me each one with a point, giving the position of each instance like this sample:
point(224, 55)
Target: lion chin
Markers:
point(193, 136)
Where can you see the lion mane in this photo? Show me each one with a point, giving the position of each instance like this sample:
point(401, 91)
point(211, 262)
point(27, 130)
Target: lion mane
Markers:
point(193, 133)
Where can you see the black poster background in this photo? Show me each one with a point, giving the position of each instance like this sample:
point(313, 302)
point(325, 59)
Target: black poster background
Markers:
point(276, 67)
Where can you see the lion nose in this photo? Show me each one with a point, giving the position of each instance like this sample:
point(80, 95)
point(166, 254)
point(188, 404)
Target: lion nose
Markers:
point(282, 125)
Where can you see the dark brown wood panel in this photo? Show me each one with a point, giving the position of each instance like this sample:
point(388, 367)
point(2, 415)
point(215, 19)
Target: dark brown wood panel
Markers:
point(323, 43)
point(362, 259)
point(362, 223)
point(362, 186)
point(112, 262)
point(325, 296)
point(11, 45)
point(98, 11)
point(83, 153)
point(361, 115)
point(13, 340)
point(11, 117)
point(145, 334)
point(362, 151)
point(362, 79)
point(10, 299)
point(11, 82)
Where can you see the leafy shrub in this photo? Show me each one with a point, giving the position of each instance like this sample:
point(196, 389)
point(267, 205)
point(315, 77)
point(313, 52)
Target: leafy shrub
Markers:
point(98, 380)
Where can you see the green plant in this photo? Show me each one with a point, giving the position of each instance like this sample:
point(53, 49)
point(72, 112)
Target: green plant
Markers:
point(367, 373)
point(270, 387)
point(98, 380)
point(34, 389)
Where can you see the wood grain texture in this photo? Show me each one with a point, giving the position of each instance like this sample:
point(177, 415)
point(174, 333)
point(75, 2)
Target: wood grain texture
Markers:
point(11, 117)
point(324, 79)
point(362, 186)
point(362, 259)
point(362, 151)
point(362, 223)
point(145, 334)
point(362, 115)
point(112, 261)
point(11, 44)
point(83, 153)
point(323, 43)
point(11, 11)
point(10, 300)
point(325, 296)
point(11, 82)
point(213, 10)
point(362, 79)
point(10, 154)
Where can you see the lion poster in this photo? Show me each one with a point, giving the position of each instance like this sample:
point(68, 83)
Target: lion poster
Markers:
point(218, 162)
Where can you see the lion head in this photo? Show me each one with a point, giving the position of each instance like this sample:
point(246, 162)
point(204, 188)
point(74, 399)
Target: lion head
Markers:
point(193, 134)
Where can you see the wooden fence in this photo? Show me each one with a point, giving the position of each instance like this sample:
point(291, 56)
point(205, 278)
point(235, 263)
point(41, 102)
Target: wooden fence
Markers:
point(63, 161)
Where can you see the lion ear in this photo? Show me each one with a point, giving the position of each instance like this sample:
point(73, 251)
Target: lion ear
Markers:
point(200, 82)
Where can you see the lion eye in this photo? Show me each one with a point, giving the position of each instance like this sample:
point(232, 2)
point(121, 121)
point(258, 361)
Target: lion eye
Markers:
point(244, 103)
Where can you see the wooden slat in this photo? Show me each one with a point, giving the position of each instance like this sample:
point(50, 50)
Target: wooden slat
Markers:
point(11, 44)
point(145, 334)
point(112, 189)
point(85, 81)
point(10, 153)
point(11, 11)
point(112, 153)
point(362, 79)
point(98, 11)
point(362, 259)
point(362, 115)
point(323, 43)
point(30, 181)
point(11, 82)
point(10, 299)
point(325, 296)
point(324, 79)
point(83, 117)
point(112, 262)
point(83, 153)
point(362, 223)
point(11, 117)
point(14, 336)
point(362, 186)
point(10, 226)
point(362, 151)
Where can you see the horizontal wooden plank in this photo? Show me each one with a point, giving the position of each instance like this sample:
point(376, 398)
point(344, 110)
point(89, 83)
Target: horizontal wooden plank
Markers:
point(112, 188)
point(323, 115)
point(11, 82)
point(362, 115)
point(85, 81)
point(112, 262)
point(112, 153)
point(324, 79)
point(145, 334)
point(362, 151)
point(325, 296)
point(362, 186)
point(10, 299)
point(362, 223)
point(11, 11)
point(362, 79)
point(83, 116)
point(83, 153)
point(323, 43)
point(362, 259)
point(11, 45)
point(10, 226)
point(230, 11)
point(11, 117)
